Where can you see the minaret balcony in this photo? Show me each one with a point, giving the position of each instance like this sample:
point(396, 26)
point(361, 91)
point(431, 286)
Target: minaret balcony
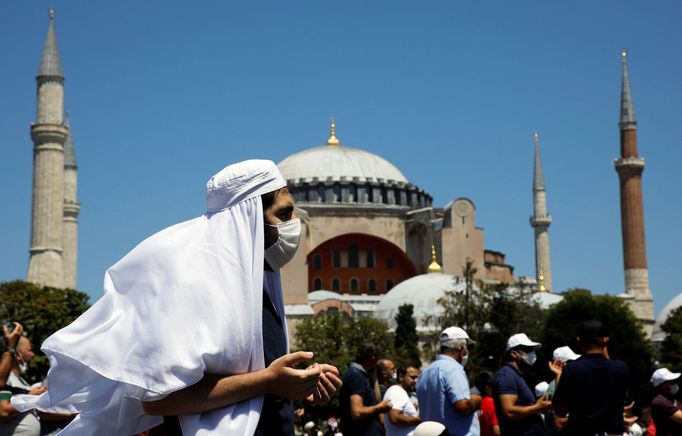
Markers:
point(49, 133)
point(629, 162)
point(540, 220)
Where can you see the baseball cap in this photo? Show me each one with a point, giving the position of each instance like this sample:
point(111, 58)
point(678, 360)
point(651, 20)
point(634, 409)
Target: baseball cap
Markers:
point(430, 428)
point(564, 354)
point(541, 388)
point(663, 375)
point(452, 333)
point(520, 339)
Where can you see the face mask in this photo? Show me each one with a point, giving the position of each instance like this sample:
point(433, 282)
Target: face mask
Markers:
point(282, 251)
point(394, 377)
point(529, 358)
point(465, 359)
point(674, 389)
point(23, 367)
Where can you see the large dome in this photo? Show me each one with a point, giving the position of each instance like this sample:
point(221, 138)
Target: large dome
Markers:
point(335, 162)
point(658, 334)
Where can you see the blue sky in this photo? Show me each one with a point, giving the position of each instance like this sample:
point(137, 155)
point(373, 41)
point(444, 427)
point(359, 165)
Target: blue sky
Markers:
point(164, 94)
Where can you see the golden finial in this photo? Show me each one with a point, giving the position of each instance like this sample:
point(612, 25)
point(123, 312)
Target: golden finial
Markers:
point(624, 56)
point(434, 267)
point(51, 14)
point(333, 140)
point(541, 283)
point(536, 137)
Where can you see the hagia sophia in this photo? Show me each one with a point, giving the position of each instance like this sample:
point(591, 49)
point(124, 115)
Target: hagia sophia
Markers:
point(371, 239)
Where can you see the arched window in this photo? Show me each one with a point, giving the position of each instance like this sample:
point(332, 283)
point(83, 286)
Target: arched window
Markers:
point(354, 286)
point(371, 286)
point(389, 285)
point(353, 256)
point(336, 259)
point(370, 259)
point(336, 285)
point(317, 284)
point(389, 262)
point(317, 261)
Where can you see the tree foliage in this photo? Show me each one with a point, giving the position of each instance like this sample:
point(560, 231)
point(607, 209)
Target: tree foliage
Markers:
point(671, 348)
point(490, 314)
point(42, 311)
point(626, 337)
point(406, 341)
point(334, 337)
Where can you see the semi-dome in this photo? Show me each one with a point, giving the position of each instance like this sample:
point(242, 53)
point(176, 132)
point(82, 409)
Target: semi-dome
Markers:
point(658, 335)
point(422, 292)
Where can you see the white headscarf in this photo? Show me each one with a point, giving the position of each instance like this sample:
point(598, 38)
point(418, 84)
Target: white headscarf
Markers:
point(184, 302)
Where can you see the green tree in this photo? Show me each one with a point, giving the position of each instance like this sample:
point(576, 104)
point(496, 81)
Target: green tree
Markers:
point(626, 337)
point(42, 311)
point(334, 338)
point(671, 348)
point(406, 339)
point(490, 314)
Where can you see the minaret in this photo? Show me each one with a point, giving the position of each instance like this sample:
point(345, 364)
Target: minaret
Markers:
point(48, 134)
point(540, 221)
point(71, 211)
point(629, 168)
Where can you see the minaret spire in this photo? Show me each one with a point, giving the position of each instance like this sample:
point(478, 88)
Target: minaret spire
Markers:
point(50, 63)
point(538, 176)
point(629, 168)
point(333, 140)
point(540, 221)
point(627, 109)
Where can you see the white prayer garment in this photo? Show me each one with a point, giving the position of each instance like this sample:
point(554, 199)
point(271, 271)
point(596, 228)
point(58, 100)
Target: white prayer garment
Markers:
point(184, 302)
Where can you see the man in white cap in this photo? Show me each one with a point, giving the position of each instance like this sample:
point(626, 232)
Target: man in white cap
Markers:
point(518, 411)
point(665, 409)
point(191, 324)
point(443, 388)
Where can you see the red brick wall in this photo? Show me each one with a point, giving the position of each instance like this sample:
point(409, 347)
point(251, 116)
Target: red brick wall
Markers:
point(382, 271)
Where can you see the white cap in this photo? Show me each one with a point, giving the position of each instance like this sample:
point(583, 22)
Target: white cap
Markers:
point(452, 333)
point(663, 375)
point(429, 428)
point(564, 354)
point(541, 388)
point(309, 426)
point(521, 339)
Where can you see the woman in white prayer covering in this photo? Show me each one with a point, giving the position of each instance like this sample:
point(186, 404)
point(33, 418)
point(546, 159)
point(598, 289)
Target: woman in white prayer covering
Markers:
point(179, 329)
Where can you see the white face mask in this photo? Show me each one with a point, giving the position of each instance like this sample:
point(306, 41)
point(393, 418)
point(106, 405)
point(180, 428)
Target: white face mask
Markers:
point(282, 251)
point(674, 389)
point(529, 358)
point(465, 359)
point(23, 367)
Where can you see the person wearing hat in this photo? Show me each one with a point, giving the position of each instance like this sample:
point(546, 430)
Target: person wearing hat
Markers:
point(518, 412)
point(560, 357)
point(443, 388)
point(665, 409)
point(591, 390)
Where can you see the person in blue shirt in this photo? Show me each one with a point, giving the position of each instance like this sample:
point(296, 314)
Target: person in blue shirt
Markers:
point(443, 388)
point(518, 412)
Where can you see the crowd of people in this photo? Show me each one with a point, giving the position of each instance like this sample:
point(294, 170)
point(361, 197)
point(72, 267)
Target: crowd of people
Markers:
point(125, 368)
point(586, 396)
